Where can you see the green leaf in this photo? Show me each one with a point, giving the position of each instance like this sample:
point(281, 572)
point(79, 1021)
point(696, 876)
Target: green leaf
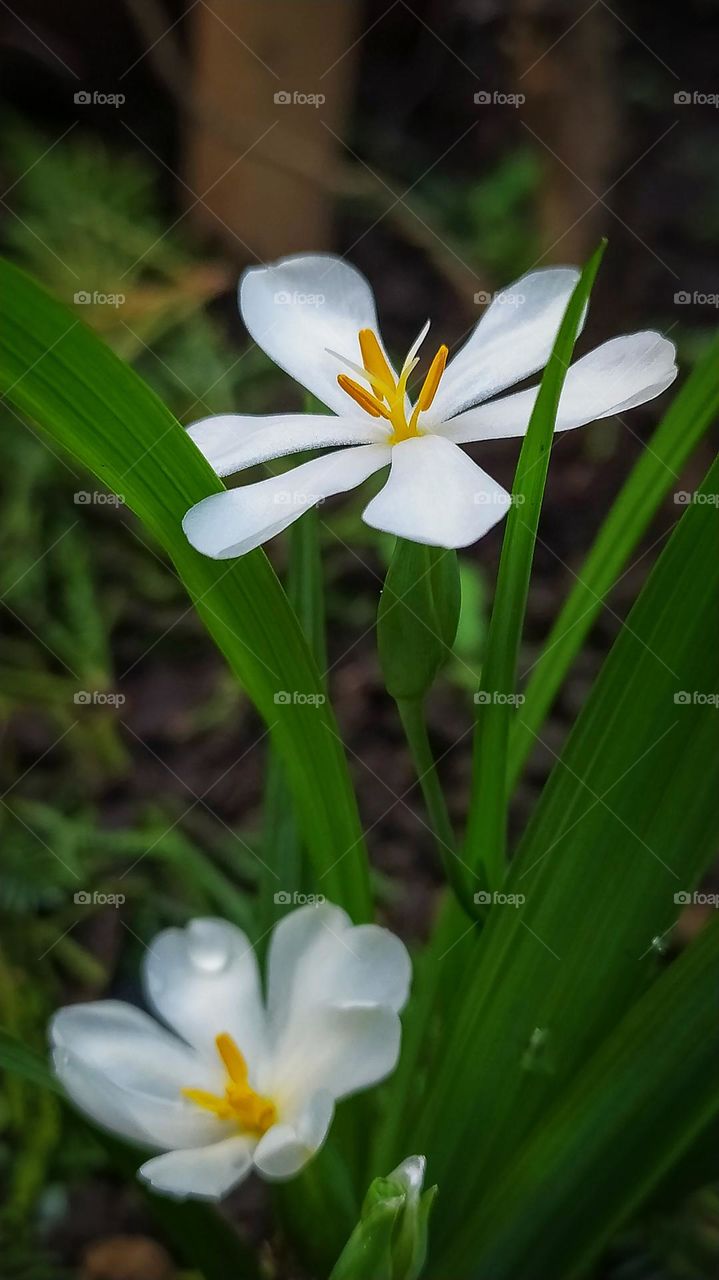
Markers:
point(19, 1060)
point(63, 377)
point(627, 821)
point(486, 828)
point(637, 1108)
point(656, 472)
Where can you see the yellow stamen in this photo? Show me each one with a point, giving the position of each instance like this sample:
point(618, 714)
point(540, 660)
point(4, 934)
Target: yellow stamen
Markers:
point(363, 398)
point(431, 382)
point(389, 400)
point(374, 361)
point(252, 1112)
point(430, 385)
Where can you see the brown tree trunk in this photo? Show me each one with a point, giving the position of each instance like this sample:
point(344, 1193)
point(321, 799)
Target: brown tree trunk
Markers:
point(274, 82)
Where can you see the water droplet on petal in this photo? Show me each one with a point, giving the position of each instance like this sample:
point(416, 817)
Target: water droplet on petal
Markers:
point(207, 948)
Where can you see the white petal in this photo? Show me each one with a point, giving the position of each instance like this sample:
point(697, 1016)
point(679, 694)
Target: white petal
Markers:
point(205, 1173)
point(298, 307)
point(339, 1050)
point(318, 958)
point(513, 339)
point(127, 1073)
point(204, 980)
point(436, 495)
point(617, 376)
point(286, 1148)
point(232, 441)
point(232, 523)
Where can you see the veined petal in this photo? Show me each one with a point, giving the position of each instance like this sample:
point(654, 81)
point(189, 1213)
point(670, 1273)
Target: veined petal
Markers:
point(233, 523)
point(204, 980)
point(232, 441)
point(511, 341)
point(436, 495)
point(617, 376)
point(125, 1071)
point(339, 1049)
point(317, 957)
point(298, 307)
point(204, 1173)
point(286, 1147)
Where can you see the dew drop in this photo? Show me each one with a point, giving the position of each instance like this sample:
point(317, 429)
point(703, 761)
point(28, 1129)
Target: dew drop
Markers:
point(207, 951)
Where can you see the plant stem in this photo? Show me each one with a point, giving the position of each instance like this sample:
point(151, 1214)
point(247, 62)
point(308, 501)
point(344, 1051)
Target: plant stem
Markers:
point(411, 713)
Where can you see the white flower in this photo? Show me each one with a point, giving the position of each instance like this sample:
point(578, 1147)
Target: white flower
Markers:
point(246, 1086)
point(305, 310)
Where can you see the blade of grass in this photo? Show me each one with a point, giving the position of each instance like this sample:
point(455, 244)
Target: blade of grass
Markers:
point(486, 837)
point(688, 418)
point(639, 1105)
point(62, 377)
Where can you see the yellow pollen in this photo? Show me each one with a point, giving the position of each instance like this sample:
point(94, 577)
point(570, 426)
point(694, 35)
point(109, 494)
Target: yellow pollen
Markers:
point(252, 1112)
point(387, 397)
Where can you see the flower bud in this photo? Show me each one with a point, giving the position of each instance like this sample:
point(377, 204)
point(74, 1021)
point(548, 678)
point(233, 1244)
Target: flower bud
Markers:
point(417, 617)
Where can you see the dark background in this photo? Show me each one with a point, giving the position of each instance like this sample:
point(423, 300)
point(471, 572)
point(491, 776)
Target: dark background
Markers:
point(163, 199)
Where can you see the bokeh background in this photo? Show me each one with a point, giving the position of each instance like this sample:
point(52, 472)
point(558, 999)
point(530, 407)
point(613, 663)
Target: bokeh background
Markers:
point(151, 150)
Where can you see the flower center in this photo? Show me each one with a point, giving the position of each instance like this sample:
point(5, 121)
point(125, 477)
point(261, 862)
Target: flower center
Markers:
point(387, 394)
point(252, 1112)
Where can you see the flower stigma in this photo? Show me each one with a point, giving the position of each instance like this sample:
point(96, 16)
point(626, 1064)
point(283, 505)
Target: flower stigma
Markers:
point(251, 1111)
point(387, 395)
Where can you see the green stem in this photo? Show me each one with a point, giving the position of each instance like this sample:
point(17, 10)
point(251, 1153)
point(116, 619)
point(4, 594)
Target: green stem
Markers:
point(413, 721)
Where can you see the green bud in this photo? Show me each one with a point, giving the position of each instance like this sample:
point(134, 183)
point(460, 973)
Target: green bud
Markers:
point(390, 1239)
point(417, 617)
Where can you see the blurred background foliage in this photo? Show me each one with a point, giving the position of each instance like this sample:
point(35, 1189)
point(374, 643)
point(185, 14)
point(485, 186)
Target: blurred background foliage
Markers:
point(156, 796)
